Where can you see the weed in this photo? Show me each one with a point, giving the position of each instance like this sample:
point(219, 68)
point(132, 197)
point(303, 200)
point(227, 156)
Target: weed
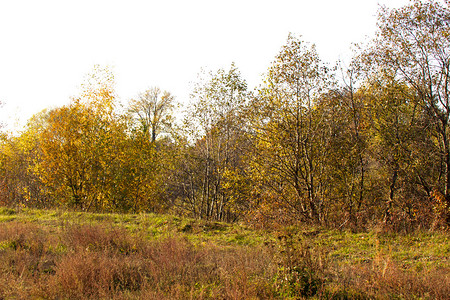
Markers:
point(300, 274)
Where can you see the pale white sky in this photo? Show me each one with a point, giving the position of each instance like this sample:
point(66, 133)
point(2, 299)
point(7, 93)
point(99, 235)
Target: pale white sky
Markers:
point(47, 47)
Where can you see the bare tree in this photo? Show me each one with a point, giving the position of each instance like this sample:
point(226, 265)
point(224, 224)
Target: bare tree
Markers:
point(153, 110)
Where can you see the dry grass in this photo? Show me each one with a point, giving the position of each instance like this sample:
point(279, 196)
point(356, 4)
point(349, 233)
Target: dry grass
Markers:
point(385, 279)
point(91, 262)
point(65, 260)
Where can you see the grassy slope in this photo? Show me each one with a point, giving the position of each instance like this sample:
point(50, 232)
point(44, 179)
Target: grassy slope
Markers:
point(345, 264)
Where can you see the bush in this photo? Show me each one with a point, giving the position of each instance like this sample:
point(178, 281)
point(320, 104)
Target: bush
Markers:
point(300, 274)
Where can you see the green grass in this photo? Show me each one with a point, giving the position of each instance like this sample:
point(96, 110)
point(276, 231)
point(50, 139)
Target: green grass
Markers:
point(411, 251)
point(153, 226)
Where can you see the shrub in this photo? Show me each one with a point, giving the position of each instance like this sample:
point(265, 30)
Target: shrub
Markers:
point(300, 273)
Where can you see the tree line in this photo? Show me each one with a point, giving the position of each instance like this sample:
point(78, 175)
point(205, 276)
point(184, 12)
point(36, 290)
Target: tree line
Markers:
point(358, 145)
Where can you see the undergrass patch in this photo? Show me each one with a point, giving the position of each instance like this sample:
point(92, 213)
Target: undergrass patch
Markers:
point(6, 211)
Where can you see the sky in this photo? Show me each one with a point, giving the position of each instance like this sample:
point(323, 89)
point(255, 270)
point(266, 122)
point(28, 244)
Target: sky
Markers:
point(48, 47)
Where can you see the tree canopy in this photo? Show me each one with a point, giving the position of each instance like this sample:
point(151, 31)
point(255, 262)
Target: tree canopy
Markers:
point(343, 147)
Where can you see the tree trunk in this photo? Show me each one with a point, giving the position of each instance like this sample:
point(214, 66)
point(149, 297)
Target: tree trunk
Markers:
point(387, 214)
point(447, 175)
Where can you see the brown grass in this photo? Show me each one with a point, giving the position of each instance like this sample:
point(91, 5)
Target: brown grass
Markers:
point(384, 279)
point(91, 262)
point(107, 262)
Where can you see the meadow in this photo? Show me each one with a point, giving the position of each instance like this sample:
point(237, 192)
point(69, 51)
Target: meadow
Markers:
point(56, 254)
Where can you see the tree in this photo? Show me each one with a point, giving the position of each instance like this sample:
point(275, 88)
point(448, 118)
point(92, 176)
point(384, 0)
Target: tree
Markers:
point(414, 41)
point(77, 144)
point(1, 122)
point(345, 110)
point(288, 129)
point(153, 110)
point(85, 156)
point(215, 127)
point(19, 156)
point(401, 146)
